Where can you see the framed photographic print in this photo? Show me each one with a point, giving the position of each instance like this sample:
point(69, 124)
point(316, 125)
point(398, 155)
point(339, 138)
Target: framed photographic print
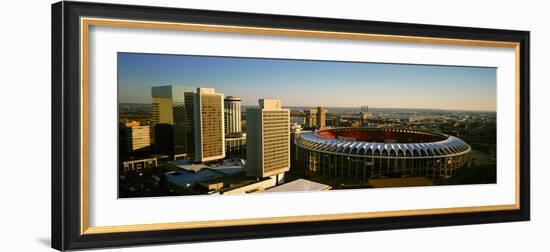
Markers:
point(180, 125)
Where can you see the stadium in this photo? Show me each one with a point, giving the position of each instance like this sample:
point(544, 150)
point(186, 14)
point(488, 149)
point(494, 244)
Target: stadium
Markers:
point(360, 154)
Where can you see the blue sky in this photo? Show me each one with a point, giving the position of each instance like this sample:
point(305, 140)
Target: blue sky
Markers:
point(312, 83)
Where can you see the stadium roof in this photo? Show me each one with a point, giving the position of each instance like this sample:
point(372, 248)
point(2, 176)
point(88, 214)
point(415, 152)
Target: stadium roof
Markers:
point(450, 145)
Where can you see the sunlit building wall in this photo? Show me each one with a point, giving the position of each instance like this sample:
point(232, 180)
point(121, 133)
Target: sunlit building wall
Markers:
point(137, 138)
point(209, 125)
point(268, 139)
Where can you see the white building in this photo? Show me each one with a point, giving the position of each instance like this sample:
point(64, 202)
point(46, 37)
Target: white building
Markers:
point(268, 140)
point(232, 107)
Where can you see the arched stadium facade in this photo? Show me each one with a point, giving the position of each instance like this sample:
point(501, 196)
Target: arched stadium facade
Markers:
point(363, 153)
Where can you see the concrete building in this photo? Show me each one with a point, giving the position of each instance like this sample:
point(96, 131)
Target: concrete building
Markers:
point(209, 125)
point(232, 115)
point(139, 164)
point(188, 178)
point(268, 140)
point(300, 185)
point(310, 118)
point(321, 117)
point(364, 115)
point(137, 138)
point(252, 186)
point(173, 105)
point(235, 140)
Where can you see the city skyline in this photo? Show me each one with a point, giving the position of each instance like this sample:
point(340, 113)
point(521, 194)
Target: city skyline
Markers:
point(377, 84)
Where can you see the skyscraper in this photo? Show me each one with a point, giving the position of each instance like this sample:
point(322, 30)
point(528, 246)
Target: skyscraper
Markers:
point(321, 117)
point(310, 118)
point(189, 123)
point(163, 138)
point(232, 107)
point(268, 140)
point(364, 115)
point(209, 125)
point(170, 106)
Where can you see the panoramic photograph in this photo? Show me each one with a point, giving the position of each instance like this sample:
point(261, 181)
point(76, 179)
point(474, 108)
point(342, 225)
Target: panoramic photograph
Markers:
point(212, 125)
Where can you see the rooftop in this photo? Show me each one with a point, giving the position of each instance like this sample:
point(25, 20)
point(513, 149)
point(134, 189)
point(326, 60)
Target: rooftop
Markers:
point(270, 103)
point(299, 185)
point(232, 98)
point(404, 143)
point(190, 174)
point(376, 135)
point(188, 178)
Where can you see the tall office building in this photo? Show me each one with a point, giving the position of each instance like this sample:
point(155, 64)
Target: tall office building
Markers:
point(137, 137)
point(268, 140)
point(171, 106)
point(321, 117)
point(310, 118)
point(209, 125)
point(364, 115)
point(189, 123)
point(232, 107)
point(163, 139)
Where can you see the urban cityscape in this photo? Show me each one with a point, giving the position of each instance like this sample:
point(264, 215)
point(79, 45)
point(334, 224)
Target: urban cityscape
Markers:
point(210, 139)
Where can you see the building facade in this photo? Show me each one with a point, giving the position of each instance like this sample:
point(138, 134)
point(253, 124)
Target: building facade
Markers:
point(321, 117)
point(232, 115)
point(268, 139)
point(170, 105)
point(235, 145)
point(209, 125)
point(138, 138)
point(364, 115)
point(139, 164)
point(310, 118)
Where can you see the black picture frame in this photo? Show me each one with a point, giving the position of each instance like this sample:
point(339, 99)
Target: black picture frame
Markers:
point(66, 125)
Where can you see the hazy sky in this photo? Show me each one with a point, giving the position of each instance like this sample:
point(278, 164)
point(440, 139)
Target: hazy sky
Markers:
point(312, 83)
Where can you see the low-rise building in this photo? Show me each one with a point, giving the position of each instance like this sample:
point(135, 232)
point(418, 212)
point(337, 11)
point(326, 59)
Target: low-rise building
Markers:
point(187, 177)
point(299, 185)
point(139, 164)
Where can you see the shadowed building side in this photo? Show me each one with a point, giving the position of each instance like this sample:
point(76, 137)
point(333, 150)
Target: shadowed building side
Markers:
point(170, 106)
point(321, 117)
point(310, 118)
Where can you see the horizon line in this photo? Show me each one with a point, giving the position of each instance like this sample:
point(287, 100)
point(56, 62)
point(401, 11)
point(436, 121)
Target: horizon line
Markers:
point(358, 107)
